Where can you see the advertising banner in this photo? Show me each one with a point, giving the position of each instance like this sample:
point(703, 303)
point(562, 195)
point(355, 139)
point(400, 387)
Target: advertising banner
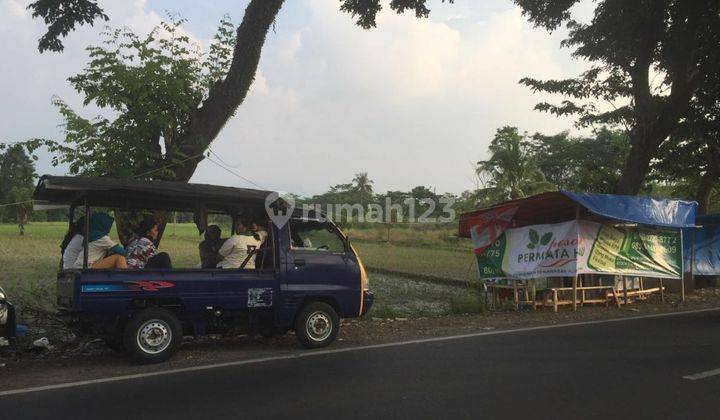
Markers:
point(579, 247)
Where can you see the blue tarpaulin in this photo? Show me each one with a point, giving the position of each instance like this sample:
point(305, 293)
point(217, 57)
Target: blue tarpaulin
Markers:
point(706, 241)
point(641, 210)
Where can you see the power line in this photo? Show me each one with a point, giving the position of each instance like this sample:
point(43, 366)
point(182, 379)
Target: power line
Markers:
point(237, 174)
point(223, 161)
point(14, 204)
point(167, 166)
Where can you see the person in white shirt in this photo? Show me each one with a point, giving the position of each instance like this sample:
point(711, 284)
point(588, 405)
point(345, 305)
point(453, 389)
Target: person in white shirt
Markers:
point(72, 244)
point(238, 246)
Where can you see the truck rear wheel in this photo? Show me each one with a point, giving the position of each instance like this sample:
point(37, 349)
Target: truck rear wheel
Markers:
point(317, 325)
point(152, 335)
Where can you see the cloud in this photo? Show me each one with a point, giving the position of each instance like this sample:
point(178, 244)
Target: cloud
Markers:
point(412, 102)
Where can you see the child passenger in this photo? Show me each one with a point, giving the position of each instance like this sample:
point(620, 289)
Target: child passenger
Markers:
point(103, 252)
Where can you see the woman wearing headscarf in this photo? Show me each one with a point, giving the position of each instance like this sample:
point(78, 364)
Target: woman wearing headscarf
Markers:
point(103, 252)
point(141, 251)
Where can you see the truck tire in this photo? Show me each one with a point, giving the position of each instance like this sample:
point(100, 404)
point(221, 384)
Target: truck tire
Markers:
point(152, 335)
point(317, 325)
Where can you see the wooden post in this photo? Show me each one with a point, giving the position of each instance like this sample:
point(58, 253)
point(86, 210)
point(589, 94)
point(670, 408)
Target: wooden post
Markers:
point(682, 287)
point(575, 279)
point(625, 296)
point(574, 298)
point(533, 295)
point(516, 299)
point(662, 291)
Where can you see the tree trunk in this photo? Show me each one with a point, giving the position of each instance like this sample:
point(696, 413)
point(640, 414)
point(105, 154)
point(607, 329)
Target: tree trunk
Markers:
point(228, 94)
point(637, 165)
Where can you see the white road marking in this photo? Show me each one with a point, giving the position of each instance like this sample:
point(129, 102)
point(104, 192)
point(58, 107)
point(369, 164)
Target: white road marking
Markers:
point(340, 350)
point(702, 375)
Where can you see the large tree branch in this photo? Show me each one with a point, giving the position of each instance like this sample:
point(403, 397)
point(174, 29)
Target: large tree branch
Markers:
point(226, 95)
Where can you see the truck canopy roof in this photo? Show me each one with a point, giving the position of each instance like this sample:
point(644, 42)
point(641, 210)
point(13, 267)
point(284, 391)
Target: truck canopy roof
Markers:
point(137, 194)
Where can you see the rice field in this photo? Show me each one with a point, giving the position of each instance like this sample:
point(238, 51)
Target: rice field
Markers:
point(29, 263)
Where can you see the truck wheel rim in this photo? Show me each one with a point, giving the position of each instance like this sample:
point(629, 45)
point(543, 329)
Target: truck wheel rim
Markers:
point(319, 326)
point(154, 336)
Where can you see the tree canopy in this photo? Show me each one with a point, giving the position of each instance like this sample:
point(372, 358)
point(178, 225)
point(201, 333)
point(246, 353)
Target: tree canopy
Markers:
point(189, 97)
point(510, 172)
point(650, 59)
point(17, 179)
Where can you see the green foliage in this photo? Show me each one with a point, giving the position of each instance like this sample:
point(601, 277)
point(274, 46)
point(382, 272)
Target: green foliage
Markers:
point(17, 176)
point(511, 171)
point(688, 163)
point(650, 59)
point(365, 11)
point(471, 303)
point(61, 18)
point(588, 164)
point(151, 85)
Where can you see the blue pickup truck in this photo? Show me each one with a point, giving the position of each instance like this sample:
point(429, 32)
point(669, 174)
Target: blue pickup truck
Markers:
point(306, 277)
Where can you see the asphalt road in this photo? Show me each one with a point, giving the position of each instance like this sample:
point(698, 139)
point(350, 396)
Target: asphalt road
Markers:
point(629, 369)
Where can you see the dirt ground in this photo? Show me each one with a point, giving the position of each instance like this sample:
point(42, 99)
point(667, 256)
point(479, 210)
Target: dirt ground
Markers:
point(74, 359)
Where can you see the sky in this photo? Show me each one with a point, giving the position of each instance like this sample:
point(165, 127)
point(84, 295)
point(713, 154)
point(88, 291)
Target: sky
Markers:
point(411, 102)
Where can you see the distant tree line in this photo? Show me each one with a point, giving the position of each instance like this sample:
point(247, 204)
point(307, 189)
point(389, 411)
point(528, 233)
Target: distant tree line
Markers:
point(17, 180)
point(520, 165)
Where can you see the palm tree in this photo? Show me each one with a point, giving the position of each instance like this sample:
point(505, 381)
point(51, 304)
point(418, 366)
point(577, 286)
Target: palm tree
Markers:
point(363, 187)
point(510, 172)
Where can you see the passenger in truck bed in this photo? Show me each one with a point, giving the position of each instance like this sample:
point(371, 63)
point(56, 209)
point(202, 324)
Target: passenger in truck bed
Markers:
point(103, 252)
point(210, 247)
point(72, 244)
point(141, 250)
point(238, 246)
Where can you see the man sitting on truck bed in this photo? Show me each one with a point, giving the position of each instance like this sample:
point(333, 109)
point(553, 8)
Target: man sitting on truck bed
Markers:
point(238, 246)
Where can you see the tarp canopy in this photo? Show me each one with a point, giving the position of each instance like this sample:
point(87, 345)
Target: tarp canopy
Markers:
point(555, 207)
point(129, 193)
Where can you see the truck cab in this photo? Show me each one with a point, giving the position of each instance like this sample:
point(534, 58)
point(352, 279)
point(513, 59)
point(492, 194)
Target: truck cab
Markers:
point(306, 275)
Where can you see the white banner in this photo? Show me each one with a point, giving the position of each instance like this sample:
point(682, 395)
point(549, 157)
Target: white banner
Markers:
point(578, 247)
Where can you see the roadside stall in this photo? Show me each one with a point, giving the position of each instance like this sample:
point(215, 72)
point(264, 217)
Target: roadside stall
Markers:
point(575, 243)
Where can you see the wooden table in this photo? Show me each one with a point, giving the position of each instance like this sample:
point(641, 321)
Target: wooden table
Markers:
point(527, 289)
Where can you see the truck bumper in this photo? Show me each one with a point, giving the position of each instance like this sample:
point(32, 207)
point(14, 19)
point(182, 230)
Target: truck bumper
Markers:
point(368, 299)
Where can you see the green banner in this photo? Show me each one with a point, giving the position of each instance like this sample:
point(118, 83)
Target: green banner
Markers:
point(580, 247)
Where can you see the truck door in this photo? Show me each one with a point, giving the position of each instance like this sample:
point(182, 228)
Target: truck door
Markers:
point(319, 263)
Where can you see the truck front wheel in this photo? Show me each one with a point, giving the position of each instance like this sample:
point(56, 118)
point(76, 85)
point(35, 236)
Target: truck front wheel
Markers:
point(317, 325)
point(152, 335)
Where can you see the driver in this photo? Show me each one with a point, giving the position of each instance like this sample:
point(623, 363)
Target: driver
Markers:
point(238, 246)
